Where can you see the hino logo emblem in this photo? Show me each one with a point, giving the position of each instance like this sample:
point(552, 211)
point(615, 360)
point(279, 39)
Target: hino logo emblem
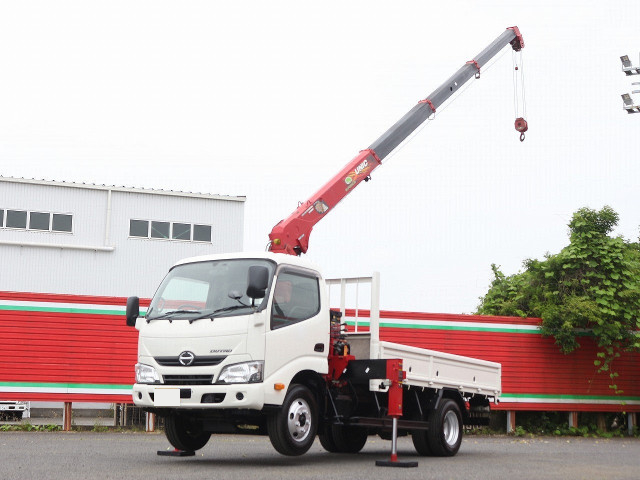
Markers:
point(186, 358)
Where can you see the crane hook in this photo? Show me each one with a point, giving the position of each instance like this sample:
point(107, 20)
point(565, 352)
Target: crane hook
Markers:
point(521, 126)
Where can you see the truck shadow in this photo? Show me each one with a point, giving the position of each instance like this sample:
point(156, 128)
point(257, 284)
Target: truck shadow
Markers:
point(310, 459)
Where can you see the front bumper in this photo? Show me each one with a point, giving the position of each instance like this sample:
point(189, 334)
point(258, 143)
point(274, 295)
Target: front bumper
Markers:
point(242, 395)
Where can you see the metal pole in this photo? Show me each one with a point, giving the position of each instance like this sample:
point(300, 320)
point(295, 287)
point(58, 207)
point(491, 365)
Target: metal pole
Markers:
point(374, 316)
point(150, 422)
point(66, 417)
point(394, 440)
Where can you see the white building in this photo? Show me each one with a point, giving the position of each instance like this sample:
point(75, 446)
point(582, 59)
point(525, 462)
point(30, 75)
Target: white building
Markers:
point(59, 237)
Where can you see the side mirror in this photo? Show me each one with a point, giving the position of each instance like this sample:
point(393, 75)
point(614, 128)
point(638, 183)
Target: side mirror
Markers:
point(133, 310)
point(258, 281)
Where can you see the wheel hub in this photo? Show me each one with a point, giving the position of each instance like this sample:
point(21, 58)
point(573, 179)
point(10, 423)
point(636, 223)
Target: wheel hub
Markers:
point(299, 420)
point(451, 428)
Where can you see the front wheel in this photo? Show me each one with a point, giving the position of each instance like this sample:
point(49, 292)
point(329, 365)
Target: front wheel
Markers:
point(293, 428)
point(185, 433)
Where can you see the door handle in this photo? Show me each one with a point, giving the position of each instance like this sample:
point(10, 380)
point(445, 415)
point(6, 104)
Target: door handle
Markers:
point(319, 347)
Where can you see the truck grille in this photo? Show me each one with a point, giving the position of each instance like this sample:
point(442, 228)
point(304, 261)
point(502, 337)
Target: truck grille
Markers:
point(188, 379)
point(205, 361)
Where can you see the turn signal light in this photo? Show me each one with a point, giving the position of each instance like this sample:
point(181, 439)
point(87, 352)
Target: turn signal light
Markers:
point(277, 241)
point(278, 386)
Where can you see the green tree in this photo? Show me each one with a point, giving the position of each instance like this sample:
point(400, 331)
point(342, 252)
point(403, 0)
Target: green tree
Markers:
point(592, 285)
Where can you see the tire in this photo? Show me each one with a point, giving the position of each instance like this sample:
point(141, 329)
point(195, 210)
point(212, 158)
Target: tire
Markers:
point(445, 429)
point(344, 439)
point(293, 428)
point(327, 441)
point(421, 442)
point(184, 433)
point(349, 439)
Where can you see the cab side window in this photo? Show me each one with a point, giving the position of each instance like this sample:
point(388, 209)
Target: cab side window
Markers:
point(296, 298)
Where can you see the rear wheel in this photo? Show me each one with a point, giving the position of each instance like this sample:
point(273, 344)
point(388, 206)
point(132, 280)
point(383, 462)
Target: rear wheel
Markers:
point(293, 428)
point(184, 433)
point(421, 442)
point(344, 439)
point(445, 429)
point(327, 440)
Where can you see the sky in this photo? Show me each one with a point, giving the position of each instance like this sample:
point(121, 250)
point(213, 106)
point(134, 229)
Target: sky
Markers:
point(269, 100)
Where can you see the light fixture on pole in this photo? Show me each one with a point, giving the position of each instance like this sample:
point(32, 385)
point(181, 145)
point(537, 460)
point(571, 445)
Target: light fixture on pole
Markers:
point(627, 67)
point(629, 105)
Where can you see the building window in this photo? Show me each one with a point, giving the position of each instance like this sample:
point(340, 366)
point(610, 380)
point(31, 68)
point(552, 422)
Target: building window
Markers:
point(139, 228)
point(39, 221)
point(36, 221)
point(202, 233)
point(160, 229)
point(181, 231)
point(16, 219)
point(62, 223)
point(186, 232)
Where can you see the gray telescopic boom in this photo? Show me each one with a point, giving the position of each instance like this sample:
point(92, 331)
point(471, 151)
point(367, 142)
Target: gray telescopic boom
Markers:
point(388, 141)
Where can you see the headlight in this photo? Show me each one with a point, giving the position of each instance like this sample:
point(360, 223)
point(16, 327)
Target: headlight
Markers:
point(248, 372)
point(146, 374)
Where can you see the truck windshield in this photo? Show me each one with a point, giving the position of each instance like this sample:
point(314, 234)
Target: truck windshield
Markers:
point(206, 289)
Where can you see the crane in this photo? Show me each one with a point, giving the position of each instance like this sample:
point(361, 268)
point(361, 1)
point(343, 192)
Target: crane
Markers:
point(291, 235)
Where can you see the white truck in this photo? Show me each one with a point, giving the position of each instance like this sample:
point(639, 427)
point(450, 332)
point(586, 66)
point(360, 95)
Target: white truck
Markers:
point(247, 343)
point(13, 410)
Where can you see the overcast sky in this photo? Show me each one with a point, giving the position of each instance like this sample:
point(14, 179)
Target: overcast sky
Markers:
point(270, 99)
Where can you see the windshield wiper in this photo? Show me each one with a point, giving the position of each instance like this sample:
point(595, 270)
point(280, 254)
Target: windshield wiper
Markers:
point(167, 315)
point(215, 313)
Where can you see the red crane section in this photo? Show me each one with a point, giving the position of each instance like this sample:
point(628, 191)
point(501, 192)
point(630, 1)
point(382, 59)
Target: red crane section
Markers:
point(292, 234)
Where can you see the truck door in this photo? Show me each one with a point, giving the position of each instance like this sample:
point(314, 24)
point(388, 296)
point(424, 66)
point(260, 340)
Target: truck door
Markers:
point(298, 335)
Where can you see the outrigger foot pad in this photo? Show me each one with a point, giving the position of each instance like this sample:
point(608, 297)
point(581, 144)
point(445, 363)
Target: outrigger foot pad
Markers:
point(176, 453)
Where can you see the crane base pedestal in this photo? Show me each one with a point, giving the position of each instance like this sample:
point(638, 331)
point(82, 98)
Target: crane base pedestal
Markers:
point(175, 453)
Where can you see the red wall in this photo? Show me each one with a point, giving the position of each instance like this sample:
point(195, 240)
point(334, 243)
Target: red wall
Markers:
point(78, 348)
point(535, 374)
point(58, 353)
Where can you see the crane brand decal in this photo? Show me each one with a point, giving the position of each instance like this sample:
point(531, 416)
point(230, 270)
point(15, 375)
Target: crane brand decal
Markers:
point(360, 170)
point(362, 166)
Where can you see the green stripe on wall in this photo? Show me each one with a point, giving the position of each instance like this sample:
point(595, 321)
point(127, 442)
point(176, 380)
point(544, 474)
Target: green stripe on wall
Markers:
point(550, 396)
point(447, 327)
point(65, 385)
point(87, 311)
point(61, 310)
point(459, 328)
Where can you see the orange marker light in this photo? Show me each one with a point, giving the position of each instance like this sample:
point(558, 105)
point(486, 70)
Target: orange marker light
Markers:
point(278, 386)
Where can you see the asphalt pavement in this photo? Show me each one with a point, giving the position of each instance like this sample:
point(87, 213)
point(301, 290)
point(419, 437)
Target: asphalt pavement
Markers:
point(88, 455)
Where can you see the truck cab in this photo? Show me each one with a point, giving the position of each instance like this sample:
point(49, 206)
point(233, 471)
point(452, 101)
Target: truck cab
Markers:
point(205, 343)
